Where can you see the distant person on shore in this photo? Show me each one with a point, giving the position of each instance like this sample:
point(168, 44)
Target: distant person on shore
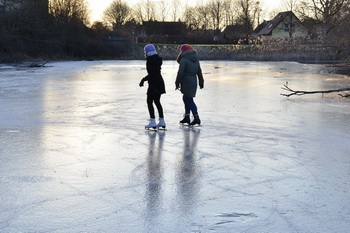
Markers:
point(156, 86)
point(186, 81)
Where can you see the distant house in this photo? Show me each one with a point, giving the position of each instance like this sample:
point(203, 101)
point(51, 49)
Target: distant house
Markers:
point(258, 29)
point(234, 33)
point(163, 32)
point(284, 25)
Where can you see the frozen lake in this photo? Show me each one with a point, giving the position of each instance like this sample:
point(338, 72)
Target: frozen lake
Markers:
point(74, 155)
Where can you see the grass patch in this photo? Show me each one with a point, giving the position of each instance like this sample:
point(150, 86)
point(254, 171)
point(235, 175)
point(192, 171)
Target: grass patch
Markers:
point(266, 52)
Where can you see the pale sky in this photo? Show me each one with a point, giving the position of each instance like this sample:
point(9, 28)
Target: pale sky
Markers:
point(98, 6)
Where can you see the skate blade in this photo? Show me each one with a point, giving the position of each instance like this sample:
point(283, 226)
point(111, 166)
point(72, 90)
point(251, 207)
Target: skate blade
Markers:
point(151, 128)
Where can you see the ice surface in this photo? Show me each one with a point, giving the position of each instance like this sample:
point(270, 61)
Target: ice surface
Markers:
point(75, 157)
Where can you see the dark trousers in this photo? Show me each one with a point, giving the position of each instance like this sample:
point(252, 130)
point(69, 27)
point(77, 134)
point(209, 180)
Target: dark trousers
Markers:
point(156, 100)
point(190, 105)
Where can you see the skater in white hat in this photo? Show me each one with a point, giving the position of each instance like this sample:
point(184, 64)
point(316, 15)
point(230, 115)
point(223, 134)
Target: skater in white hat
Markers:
point(156, 86)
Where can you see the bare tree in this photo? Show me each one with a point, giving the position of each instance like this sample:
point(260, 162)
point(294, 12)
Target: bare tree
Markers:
point(248, 13)
point(257, 13)
point(216, 11)
point(144, 11)
point(150, 10)
point(15, 5)
point(190, 17)
point(176, 5)
point(204, 17)
point(198, 17)
point(9, 5)
point(342, 33)
point(290, 5)
point(117, 14)
point(137, 12)
point(229, 14)
point(163, 10)
point(325, 12)
point(28, 18)
point(69, 10)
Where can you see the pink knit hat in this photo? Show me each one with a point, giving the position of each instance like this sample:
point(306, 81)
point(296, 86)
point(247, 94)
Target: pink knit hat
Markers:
point(185, 47)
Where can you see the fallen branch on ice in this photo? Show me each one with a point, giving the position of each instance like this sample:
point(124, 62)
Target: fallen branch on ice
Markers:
point(35, 65)
point(294, 92)
point(346, 95)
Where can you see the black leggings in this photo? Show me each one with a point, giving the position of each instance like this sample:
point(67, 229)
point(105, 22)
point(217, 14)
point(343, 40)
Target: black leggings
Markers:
point(156, 100)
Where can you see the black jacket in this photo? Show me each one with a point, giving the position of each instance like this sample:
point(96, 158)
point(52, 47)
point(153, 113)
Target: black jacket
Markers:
point(155, 80)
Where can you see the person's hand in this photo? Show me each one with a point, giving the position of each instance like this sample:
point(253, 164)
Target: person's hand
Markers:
point(201, 83)
point(141, 83)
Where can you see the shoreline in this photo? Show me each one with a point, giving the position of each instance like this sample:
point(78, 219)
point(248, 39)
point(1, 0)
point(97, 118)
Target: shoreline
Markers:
point(336, 67)
point(341, 68)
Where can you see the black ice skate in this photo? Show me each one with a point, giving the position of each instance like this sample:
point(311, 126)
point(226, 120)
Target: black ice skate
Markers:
point(186, 120)
point(196, 121)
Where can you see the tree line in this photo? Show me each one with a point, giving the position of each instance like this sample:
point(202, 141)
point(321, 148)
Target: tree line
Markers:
point(55, 29)
point(62, 28)
point(217, 14)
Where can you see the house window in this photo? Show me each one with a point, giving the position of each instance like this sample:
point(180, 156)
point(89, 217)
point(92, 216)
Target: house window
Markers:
point(289, 27)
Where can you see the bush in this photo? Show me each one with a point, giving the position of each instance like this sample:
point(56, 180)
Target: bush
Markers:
point(257, 52)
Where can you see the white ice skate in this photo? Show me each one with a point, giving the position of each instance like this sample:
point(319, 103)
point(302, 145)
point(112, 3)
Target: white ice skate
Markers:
point(161, 124)
point(152, 124)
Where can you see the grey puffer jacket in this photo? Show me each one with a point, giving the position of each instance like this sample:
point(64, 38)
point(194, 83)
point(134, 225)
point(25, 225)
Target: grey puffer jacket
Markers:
point(187, 74)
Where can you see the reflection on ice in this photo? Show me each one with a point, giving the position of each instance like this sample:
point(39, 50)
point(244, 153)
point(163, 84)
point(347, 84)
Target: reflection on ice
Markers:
point(189, 175)
point(74, 155)
point(154, 172)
